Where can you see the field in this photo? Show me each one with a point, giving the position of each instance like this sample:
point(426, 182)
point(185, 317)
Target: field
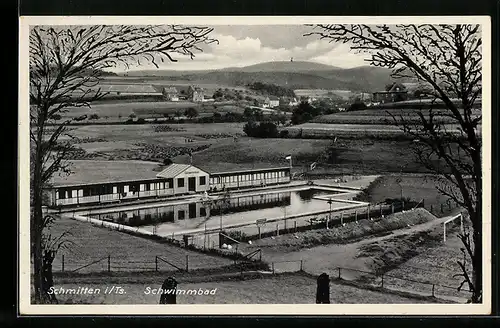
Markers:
point(215, 145)
point(113, 111)
point(87, 243)
point(353, 130)
point(280, 289)
point(377, 116)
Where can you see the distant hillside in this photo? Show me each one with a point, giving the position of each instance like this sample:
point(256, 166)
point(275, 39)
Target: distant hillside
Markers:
point(283, 66)
point(293, 75)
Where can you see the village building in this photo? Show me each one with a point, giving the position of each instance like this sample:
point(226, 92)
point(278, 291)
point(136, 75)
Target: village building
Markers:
point(272, 101)
point(396, 92)
point(196, 94)
point(171, 93)
point(174, 180)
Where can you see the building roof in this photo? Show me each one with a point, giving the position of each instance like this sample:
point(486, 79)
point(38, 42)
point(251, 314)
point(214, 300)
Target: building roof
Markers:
point(170, 90)
point(93, 172)
point(273, 98)
point(173, 170)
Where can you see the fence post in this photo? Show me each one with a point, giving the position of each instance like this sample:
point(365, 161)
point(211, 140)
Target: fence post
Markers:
point(187, 263)
point(295, 225)
point(273, 266)
point(342, 218)
point(392, 208)
point(62, 269)
point(259, 233)
point(301, 265)
point(156, 263)
point(380, 207)
point(277, 229)
point(433, 290)
point(109, 263)
point(356, 216)
point(339, 274)
point(368, 212)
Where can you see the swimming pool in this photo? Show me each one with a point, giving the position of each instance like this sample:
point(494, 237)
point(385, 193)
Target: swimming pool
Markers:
point(242, 208)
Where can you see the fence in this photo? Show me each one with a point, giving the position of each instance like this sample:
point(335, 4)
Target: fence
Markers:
point(109, 263)
point(328, 220)
point(442, 209)
point(384, 280)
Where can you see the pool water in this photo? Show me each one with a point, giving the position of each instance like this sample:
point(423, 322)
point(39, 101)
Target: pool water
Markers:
point(238, 209)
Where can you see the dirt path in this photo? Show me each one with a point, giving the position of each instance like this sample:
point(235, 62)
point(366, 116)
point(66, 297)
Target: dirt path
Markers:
point(327, 258)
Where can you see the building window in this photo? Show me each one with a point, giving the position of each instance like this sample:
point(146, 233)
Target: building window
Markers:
point(170, 183)
point(62, 194)
point(203, 181)
point(180, 182)
point(181, 214)
point(211, 181)
point(203, 211)
point(147, 187)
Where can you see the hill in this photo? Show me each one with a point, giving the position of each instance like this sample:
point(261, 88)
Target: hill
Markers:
point(283, 66)
point(294, 75)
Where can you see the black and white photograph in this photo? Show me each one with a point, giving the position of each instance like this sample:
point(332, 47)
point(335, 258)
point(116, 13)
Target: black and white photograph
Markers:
point(255, 165)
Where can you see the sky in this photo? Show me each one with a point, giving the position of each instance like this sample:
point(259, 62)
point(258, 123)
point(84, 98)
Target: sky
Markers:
point(243, 45)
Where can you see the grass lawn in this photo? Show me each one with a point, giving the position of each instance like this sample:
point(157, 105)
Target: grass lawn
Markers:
point(265, 151)
point(88, 243)
point(280, 289)
point(415, 187)
point(425, 258)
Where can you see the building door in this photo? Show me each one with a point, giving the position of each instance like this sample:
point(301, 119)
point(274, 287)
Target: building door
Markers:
point(192, 184)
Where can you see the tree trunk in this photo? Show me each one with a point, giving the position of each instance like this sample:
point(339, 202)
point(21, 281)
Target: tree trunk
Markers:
point(477, 259)
point(37, 218)
point(36, 233)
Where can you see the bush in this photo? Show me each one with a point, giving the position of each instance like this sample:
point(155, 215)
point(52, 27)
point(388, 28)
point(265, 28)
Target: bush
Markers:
point(132, 116)
point(284, 134)
point(167, 161)
point(141, 121)
point(304, 113)
point(94, 117)
point(262, 130)
point(191, 112)
point(357, 105)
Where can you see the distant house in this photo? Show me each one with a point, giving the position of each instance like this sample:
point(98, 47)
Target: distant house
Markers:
point(196, 94)
point(395, 92)
point(272, 101)
point(171, 93)
point(208, 98)
point(288, 101)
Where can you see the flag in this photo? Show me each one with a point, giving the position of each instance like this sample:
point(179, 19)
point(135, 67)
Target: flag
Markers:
point(288, 157)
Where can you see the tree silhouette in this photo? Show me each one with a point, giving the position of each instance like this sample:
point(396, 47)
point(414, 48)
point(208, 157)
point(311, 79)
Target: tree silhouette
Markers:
point(447, 58)
point(66, 63)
